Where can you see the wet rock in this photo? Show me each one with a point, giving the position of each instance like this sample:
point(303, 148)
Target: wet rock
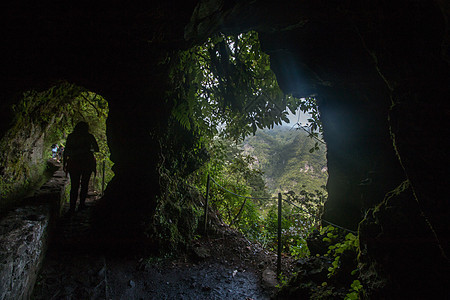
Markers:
point(200, 252)
point(315, 268)
point(315, 243)
point(311, 271)
point(269, 279)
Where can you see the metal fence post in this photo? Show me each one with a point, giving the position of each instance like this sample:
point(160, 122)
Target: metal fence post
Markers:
point(206, 203)
point(279, 236)
point(103, 177)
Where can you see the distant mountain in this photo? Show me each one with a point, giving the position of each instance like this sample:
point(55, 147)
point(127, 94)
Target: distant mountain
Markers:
point(284, 156)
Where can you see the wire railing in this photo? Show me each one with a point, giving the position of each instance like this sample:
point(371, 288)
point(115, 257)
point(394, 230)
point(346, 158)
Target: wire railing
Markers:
point(322, 220)
point(252, 198)
point(280, 200)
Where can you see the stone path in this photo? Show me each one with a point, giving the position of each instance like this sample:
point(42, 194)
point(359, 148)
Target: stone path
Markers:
point(74, 269)
point(68, 276)
point(76, 228)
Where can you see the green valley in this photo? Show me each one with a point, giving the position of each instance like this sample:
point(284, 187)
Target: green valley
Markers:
point(284, 155)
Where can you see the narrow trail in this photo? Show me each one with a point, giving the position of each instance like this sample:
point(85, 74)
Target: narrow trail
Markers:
point(77, 227)
point(223, 266)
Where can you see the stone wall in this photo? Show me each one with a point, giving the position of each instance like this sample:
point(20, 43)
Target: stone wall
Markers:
point(24, 236)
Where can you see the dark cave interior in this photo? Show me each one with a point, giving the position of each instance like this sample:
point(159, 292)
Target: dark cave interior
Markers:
point(380, 70)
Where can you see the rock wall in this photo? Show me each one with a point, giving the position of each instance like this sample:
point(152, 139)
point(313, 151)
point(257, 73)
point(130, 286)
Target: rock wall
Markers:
point(398, 248)
point(24, 236)
point(22, 162)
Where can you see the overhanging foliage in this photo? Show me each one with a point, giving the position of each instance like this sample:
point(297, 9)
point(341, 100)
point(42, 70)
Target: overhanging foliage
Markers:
point(226, 86)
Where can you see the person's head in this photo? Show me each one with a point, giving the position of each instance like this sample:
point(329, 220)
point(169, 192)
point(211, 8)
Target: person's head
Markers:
point(81, 127)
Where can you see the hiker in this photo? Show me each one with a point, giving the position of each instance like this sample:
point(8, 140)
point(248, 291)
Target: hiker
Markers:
point(54, 151)
point(60, 152)
point(79, 162)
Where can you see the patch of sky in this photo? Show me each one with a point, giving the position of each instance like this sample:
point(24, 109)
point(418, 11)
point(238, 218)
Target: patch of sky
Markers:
point(298, 119)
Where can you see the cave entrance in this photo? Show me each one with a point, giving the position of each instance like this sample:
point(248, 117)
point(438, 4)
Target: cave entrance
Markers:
point(42, 121)
point(228, 97)
point(93, 109)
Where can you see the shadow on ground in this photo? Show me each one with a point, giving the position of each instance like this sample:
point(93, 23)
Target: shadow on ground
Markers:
point(223, 266)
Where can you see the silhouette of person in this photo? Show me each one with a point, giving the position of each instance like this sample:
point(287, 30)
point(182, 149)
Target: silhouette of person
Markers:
point(79, 162)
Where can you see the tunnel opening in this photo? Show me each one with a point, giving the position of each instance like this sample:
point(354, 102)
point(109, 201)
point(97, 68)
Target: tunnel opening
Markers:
point(33, 146)
point(223, 92)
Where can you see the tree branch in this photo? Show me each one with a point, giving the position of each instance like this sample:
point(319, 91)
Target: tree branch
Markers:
point(92, 104)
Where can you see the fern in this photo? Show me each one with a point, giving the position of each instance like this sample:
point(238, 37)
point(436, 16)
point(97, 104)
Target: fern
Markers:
point(181, 114)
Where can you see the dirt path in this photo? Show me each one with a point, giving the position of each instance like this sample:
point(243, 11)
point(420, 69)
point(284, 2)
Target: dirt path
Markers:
point(223, 266)
point(100, 277)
